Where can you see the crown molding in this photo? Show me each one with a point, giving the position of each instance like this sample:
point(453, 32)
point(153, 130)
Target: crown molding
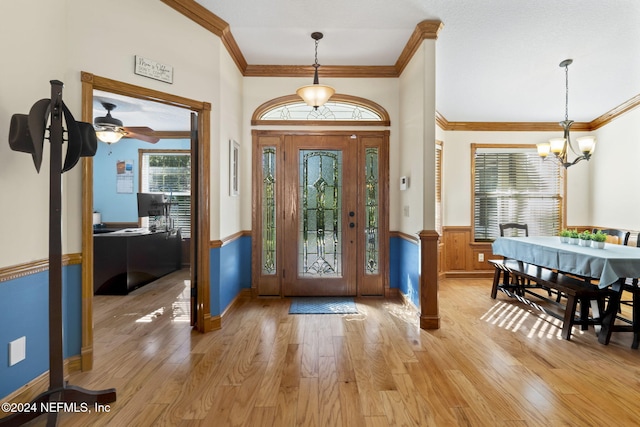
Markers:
point(591, 126)
point(444, 124)
point(425, 30)
point(352, 71)
point(203, 17)
point(616, 112)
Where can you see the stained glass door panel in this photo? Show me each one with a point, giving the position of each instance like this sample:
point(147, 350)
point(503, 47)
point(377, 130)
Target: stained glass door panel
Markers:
point(321, 261)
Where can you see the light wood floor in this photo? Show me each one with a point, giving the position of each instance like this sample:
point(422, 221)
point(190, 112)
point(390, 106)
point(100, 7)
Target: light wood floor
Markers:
point(492, 363)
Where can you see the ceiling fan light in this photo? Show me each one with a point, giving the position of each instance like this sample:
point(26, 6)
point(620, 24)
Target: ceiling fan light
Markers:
point(109, 136)
point(315, 95)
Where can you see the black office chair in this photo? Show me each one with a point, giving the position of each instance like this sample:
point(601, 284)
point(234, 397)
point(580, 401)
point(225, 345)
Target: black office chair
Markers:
point(514, 226)
point(623, 236)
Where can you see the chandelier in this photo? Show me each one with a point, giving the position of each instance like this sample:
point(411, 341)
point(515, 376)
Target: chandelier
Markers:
point(315, 95)
point(560, 146)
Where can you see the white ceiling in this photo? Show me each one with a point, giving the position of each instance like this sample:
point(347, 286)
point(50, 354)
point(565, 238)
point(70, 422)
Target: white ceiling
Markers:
point(496, 60)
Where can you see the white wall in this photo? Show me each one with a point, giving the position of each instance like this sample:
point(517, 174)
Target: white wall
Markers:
point(258, 90)
point(229, 127)
point(416, 206)
point(457, 174)
point(615, 202)
point(34, 51)
point(57, 39)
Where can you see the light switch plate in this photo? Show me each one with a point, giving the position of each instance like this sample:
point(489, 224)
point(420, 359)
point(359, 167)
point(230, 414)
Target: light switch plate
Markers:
point(17, 350)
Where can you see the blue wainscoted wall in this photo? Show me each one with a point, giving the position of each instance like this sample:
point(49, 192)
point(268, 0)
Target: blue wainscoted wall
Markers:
point(24, 311)
point(404, 268)
point(230, 272)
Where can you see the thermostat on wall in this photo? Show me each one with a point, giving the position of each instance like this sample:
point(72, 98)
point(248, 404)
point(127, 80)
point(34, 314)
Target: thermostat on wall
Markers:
point(404, 183)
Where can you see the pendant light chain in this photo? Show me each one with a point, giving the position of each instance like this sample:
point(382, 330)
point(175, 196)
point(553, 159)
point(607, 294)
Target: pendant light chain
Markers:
point(316, 64)
point(566, 99)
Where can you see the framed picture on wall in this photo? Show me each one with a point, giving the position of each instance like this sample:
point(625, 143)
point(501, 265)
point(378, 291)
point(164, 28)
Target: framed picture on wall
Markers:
point(234, 164)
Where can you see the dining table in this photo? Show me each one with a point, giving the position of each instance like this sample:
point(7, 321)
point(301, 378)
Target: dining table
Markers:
point(606, 267)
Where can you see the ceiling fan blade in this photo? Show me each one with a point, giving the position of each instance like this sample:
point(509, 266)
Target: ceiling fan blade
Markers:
point(142, 133)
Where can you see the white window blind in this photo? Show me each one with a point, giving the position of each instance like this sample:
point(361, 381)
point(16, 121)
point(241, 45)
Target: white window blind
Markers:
point(169, 173)
point(516, 185)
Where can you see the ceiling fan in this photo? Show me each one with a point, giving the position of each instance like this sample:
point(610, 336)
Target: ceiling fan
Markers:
point(110, 130)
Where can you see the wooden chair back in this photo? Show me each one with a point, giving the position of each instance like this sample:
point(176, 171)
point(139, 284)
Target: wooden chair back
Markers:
point(615, 236)
point(513, 226)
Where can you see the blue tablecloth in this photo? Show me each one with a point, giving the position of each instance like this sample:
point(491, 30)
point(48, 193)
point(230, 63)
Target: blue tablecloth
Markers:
point(608, 264)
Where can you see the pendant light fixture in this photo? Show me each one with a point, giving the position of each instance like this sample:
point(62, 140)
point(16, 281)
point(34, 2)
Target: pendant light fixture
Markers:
point(315, 95)
point(559, 146)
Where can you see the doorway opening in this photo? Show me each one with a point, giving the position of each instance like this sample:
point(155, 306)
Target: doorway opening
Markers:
point(199, 254)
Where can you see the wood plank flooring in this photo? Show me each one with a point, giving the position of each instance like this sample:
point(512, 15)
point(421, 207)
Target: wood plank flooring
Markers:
point(492, 363)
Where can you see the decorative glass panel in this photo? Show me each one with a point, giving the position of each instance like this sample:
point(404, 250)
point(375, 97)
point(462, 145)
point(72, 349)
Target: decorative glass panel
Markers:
point(320, 242)
point(269, 211)
point(329, 111)
point(372, 213)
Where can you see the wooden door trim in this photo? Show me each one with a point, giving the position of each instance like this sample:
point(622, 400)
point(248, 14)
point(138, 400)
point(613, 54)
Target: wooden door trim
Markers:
point(91, 82)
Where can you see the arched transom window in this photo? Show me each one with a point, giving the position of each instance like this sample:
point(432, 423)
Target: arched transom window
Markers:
point(340, 110)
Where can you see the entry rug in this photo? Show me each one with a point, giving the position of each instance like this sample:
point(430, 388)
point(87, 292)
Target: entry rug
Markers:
point(322, 305)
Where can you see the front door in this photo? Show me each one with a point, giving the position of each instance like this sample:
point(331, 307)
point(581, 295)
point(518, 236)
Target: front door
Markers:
point(319, 250)
point(320, 216)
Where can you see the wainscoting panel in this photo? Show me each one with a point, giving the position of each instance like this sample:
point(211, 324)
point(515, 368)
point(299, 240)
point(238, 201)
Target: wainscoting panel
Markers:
point(405, 266)
point(230, 270)
point(461, 256)
point(24, 308)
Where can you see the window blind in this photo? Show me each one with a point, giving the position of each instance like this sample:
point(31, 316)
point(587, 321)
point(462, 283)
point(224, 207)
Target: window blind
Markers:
point(169, 173)
point(516, 185)
point(439, 187)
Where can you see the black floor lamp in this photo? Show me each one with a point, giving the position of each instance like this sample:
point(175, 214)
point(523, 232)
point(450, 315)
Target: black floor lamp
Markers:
point(26, 134)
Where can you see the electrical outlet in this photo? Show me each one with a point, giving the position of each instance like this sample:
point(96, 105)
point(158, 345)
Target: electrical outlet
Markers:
point(405, 209)
point(17, 350)
point(480, 257)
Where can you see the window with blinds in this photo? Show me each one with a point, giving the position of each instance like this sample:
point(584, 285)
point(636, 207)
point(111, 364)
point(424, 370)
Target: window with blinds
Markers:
point(439, 187)
point(515, 185)
point(169, 173)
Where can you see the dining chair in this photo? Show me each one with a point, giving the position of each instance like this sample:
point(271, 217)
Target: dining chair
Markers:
point(632, 286)
point(513, 226)
point(622, 236)
point(515, 229)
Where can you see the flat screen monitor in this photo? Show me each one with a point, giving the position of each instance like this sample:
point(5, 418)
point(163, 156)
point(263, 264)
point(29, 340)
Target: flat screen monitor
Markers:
point(150, 204)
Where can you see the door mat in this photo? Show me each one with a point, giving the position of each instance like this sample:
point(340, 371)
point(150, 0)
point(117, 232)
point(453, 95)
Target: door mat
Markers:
point(322, 305)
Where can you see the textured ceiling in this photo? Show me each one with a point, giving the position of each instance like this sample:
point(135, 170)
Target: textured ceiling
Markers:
point(496, 60)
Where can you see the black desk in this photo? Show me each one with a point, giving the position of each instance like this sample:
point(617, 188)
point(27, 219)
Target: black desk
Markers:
point(126, 260)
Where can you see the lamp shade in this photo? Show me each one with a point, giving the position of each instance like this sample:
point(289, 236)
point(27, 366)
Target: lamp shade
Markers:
point(543, 149)
point(557, 145)
point(315, 95)
point(587, 144)
point(109, 136)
